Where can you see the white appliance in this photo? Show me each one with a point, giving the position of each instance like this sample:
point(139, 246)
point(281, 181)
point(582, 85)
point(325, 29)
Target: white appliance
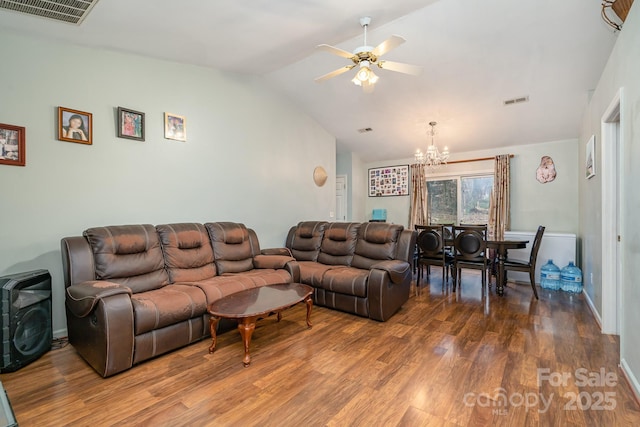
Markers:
point(560, 247)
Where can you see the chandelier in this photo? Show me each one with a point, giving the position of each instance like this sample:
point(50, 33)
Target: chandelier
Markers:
point(432, 157)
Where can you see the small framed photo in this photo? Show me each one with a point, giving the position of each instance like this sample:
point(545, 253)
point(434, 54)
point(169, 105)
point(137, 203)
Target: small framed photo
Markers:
point(175, 127)
point(75, 126)
point(130, 124)
point(12, 145)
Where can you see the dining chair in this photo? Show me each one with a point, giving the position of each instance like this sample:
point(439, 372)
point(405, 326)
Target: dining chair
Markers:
point(432, 252)
point(470, 247)
point(416, 251)
point(530, 266)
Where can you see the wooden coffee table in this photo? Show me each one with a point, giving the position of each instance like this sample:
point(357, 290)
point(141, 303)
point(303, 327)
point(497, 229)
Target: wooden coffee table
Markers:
point(252, 304)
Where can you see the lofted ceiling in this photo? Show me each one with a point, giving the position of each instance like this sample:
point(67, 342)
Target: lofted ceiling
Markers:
point(474, 54)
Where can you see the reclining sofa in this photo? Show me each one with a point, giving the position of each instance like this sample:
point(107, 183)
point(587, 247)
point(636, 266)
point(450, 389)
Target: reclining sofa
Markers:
point(137, 291)
point(360, 268)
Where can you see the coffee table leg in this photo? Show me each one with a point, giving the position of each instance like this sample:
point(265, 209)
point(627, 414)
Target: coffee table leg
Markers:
point(246, 327)
point(213, 323)
point(309, 303)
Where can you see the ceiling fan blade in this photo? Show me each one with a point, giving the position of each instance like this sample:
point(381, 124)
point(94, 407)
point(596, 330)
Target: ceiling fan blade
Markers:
point(334, 73)
point(400, 67)
point(390, 43)
point(335, 51)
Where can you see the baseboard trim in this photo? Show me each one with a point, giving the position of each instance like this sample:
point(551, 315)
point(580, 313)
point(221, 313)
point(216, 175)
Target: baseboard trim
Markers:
point(60, 333)
point(593, 309)
point(631, 379)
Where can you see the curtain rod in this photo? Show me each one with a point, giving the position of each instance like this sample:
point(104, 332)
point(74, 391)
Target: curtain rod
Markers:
point(479, 159)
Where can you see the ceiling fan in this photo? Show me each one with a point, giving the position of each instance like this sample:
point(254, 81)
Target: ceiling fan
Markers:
point(365, 57)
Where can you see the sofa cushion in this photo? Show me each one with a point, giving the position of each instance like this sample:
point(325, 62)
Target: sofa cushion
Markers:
point(163, 307)
point(232, 248)
point(311, 272)
point(188, 254)
point(304, 240)
point(346, 280)
point(263, 276)
point(129, 255)
point(220, 286)
point(338, 243)
point(376, 242)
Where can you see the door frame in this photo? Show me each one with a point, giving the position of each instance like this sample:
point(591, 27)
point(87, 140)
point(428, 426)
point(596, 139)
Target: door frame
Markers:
point(612, 219)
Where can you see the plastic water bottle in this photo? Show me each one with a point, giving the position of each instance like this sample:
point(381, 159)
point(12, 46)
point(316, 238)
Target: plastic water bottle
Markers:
point(571, 278)
point(550, 276)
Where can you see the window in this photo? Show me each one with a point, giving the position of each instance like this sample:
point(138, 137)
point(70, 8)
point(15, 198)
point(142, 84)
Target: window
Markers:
point(459, 200)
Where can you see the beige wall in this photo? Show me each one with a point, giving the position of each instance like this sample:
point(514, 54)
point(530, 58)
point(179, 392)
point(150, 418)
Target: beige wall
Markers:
point(622, 71)
point(552, 204)
point(249, 157)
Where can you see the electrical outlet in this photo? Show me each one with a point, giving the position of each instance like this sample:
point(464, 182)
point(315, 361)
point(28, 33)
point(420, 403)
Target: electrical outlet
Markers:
point(331, 214)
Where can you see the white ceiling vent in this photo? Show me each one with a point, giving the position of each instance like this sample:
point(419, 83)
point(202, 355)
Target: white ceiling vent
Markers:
point(70, 11)
point(516, 100)
point(365, 130)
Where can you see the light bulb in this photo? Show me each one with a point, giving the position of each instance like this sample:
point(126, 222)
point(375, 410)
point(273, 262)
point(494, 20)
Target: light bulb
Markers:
point(363, 74)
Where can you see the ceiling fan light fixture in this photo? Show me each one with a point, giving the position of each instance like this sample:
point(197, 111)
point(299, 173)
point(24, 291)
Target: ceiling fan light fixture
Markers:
point(364, 72)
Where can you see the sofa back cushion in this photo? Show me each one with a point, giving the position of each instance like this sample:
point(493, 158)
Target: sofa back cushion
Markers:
point(376, 242)
point(304, 240)
point(233, 249)
point(187, 251)
point(129, 255)
point(339, 243)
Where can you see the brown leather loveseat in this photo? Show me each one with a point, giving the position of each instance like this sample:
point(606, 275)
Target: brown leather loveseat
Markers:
point(360, 268)
point(137, 291)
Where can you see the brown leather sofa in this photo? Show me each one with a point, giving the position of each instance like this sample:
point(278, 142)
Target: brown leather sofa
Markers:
point(360, 268)
point(134, 292)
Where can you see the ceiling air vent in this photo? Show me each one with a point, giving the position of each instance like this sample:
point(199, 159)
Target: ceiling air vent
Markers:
point(516, 100)
point(365, 130)
point(70, 11)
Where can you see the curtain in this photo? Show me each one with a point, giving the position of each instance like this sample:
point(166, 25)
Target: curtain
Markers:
point(418, 208)
point(500, 204)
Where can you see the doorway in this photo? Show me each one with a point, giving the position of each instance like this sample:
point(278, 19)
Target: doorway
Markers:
point(341, 198)
point(612, 224)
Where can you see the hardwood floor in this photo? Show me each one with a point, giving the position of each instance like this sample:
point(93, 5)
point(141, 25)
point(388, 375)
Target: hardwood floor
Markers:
point(446, 359)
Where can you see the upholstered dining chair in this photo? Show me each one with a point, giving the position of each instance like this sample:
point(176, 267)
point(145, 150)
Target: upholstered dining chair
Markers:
point(528, 266)
point(470, 246)
point(432, 252)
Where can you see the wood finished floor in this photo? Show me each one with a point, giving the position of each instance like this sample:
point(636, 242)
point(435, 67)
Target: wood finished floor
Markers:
point(442, 360)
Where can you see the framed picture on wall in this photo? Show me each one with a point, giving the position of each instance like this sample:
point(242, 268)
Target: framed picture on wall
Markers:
point(130, 124)
point(175, 127)
point(389, 181)
point(590, 163)
point(75, 126)
point(12, 145)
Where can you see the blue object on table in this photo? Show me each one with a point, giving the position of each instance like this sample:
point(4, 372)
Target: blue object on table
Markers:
point(550, 276)
point(379, 215)
point(571, 279)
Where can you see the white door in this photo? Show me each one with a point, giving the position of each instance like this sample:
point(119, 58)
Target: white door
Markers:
point(612, 222)
point(341, 197)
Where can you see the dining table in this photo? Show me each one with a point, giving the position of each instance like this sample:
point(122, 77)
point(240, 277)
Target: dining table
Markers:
point(502, 247)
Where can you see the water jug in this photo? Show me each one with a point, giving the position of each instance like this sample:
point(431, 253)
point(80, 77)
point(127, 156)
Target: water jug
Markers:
point(571, 278)
point(550, 276)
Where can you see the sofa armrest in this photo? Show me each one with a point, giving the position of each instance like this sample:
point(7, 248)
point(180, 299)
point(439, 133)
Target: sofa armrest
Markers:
point(276, 251)
point(100, 325)
point(82, 298)
point(397, 269)
point(271, 261)
point(388, 291)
